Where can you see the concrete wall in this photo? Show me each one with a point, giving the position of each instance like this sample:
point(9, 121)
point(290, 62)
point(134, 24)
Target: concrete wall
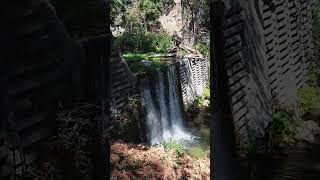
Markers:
point(268, 47)
point(194, 75)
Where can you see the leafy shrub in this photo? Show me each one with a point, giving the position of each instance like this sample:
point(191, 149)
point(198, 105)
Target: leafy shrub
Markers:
point(307, 98)
point(197, 102)
point(203, 47)
point(162, 41)
point(282, 130)
point(144, 41)
point(206, 91)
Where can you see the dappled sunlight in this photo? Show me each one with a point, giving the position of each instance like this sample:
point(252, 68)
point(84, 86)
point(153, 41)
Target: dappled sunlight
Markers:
point(131, 161)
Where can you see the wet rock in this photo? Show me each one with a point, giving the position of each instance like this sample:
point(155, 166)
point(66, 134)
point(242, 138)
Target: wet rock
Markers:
point(306, 131)
point(146, 63)
point(206, 103)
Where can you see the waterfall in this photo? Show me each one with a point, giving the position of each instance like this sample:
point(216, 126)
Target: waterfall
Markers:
point(154, 133)
point(176, 116)
point(165, 121)
point(164, 116)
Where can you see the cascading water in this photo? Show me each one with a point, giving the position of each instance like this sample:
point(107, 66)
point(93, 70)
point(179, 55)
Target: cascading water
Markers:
point(175, 106)
point(166, 124)
point(166, 121)
point(152, 117)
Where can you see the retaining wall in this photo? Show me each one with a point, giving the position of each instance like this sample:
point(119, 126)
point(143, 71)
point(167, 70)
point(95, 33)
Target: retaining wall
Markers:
point(194, 75)
point(268, 47)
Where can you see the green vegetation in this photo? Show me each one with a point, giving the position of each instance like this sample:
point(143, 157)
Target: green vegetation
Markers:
point(198, 102)
point(203, 47)
point(144, 41)
point(198, 152)
point(138, 12)
point(308, 97)
point(206, 91)
point(282, 130)
point(126, 123)
point(177, 146)
point(142, 34)
point(135, 64)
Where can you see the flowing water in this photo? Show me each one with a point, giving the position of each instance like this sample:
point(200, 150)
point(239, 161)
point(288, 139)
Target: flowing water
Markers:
point(153, 124)
point(164, 116)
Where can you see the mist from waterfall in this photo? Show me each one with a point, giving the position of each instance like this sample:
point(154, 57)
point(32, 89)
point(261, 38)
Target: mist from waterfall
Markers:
point(164, 118)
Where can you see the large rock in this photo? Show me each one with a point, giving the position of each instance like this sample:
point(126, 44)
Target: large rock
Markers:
point(306, 131)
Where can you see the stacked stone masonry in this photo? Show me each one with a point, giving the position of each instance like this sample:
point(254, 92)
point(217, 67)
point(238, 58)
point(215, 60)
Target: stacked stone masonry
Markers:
point(268, 47)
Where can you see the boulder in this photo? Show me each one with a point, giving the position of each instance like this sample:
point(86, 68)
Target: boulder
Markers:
point(306, 131)
point(146, 63)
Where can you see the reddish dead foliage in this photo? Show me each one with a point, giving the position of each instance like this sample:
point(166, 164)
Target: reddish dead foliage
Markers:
point(130, 161)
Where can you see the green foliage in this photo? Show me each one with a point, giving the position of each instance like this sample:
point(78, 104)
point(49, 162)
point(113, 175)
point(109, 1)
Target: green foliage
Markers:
point(197, 102)
point(142, 14)
point(308, 97)
point(134, 61)
point(115, 9)
point(162, 41)
point(282, 129)
point(177, 146)
point(206, 91)
point(144, 41)
point(150, 9)
point(197, 152)
point(203, 47)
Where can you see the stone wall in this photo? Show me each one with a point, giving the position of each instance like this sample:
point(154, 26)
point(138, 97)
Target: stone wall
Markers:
point(268, 47)
point(123, 80)
point(42, 68)
point(194, 75)
point(36, 74)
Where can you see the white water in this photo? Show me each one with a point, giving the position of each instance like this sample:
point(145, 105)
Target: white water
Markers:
point(152, 116)
point(165, 122)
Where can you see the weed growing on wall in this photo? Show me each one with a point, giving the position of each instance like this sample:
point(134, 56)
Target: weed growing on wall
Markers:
point(282, 130)
point(308, 97)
